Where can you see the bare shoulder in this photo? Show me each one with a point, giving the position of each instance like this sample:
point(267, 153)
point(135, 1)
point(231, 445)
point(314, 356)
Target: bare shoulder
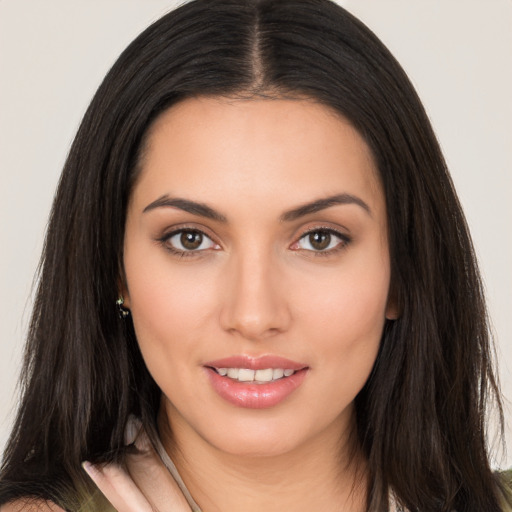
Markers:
point(24, 505)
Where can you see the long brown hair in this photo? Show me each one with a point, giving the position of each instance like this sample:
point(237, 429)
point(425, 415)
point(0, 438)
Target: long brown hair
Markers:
point(421, 415)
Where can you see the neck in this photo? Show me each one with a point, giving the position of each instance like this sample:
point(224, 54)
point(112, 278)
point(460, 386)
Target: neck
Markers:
point(324, 474)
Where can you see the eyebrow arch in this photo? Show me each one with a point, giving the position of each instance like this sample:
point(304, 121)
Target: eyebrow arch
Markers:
point(187, 206)
point(322, 204)
point(203, 210)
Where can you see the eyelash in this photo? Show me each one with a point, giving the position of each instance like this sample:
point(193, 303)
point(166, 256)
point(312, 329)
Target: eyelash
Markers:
point(164, 240)
point(344, 241)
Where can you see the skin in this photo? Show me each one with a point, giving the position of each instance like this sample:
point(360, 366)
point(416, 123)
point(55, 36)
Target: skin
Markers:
point(257, 286)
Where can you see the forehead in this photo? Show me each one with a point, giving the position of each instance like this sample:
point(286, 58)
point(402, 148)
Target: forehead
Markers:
point(215, 147)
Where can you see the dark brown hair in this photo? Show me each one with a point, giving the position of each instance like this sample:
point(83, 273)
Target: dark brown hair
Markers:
point(421, 415)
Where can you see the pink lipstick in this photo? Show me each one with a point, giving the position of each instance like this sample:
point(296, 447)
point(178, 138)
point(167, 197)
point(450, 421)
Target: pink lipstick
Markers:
point(255, 383)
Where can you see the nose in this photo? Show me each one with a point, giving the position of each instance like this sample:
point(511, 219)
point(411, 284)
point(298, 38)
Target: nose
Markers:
point(256, 302)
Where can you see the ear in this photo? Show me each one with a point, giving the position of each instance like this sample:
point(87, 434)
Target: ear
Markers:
point(392, 309)
point(392, 312)
point(123, 291)
point(126, 299)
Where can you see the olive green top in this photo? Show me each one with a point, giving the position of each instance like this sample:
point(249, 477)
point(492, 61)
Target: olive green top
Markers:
point(98, 503)
point(506, 498)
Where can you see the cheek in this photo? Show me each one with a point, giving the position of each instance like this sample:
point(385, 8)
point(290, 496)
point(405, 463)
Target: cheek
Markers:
point(169, 307)
point(345, 317)
point(348, 339)
point(168, 304)
point(351, 302)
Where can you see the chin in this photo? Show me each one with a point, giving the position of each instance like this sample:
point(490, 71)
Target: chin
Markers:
point(269, 433)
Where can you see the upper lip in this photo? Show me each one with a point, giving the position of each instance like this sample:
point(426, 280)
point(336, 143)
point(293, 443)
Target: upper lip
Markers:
point(256, 363)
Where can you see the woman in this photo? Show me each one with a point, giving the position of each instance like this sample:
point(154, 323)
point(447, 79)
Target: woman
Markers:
point(258, 189)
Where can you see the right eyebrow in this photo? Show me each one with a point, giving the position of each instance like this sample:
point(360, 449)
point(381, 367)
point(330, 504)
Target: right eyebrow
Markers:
point(324, 203)
point(187, 206)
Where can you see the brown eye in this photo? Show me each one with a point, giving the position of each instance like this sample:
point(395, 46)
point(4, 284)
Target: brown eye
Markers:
point(320, 240)
point(188, 240)
point(191, 240)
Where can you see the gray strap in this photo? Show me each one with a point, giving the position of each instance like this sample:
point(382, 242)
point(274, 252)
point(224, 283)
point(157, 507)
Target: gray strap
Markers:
point(169, 464)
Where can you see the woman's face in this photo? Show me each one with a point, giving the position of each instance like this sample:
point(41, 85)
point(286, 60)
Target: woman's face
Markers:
point(256, 243)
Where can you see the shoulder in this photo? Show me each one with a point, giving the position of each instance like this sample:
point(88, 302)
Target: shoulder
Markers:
point(24, 505)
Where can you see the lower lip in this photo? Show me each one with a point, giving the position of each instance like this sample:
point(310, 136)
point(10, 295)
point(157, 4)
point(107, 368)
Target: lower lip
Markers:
point(255, 396)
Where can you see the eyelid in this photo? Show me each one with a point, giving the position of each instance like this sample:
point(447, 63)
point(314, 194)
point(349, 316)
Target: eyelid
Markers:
point(175, 230)
point(178, 228)
point(344, 238)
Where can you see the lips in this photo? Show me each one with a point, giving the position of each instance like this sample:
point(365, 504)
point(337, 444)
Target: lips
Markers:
point(256, 363)
point(255, 383)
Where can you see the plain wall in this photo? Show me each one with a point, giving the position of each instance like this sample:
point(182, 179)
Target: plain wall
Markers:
point(53, 55)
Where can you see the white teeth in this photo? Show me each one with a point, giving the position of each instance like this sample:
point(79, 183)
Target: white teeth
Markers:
point(277, 373)
point(245, 375)
point(264, 375)
point(233, 373)
point(258, 376)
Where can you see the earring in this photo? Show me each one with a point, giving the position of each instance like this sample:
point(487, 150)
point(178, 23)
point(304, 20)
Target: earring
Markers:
point(122, 311)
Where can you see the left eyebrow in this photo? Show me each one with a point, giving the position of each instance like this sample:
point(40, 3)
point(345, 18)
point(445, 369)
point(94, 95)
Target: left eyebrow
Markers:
point(186, 205)
point(322, 204)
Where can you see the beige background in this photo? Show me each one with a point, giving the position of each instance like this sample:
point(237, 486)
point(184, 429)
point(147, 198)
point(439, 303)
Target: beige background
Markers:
point(54, 53)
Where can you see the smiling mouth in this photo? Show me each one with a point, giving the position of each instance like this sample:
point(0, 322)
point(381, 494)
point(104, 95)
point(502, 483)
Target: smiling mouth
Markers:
point(262, 376)
point(255, 382)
